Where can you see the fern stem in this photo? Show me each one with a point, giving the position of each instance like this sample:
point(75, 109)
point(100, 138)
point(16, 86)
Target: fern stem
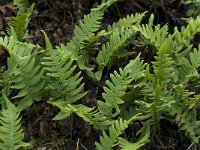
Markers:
point(70, 119)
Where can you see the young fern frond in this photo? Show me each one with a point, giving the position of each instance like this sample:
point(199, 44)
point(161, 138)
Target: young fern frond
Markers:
point(23, 73)
point(10, 128)
point(116, 89)
point(19, 24)
point(60, 75)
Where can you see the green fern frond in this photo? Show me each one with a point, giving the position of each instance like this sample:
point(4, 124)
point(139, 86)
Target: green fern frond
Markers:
point(116, 89)
point(10, 128)
point(61, 76)
point(116, 129)
point(185, 70)
point(90, 115)
point(19, 24)
point(108, 141)
point(125, 145)
point(155, 36)
point(195, 57)
point(185, 118)
point(127, 21)
point(163, 65)
point(186, 35)
point(21, 5)
point(23, 73)
point(87, 28)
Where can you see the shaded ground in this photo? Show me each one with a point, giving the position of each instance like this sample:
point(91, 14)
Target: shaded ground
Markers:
point(57, 19)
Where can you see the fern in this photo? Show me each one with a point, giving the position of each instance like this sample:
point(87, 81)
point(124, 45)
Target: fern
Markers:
point(107, 142)
point(117, 40)
point(60, 75)
point(87, 28)
point(19, 24)
point(186, 117)
point(23, 73)
point(127, 22)
point(186, 35)
point(116, 89)
point(10, 124)
point(125, 145)
point(155, 36)
point(21, 5)
point(93, 117)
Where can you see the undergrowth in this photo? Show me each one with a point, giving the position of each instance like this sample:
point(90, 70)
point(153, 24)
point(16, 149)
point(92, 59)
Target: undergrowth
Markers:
point(139, 91)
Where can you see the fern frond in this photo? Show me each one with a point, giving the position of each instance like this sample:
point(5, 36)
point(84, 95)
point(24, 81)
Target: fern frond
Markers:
point(195, 57)
point(10, 128)
point(163, 65)
point(61, 76)
point(116, 129)
point(127, 21)
point(116, 89)
point(184, 37)
point(155, 36)
point(185, 70)
point(21, 5)
point(90, 115)
point(116, 43)
point(87, 28)
point(19, 24)
point(108, 141)
point(125, 145)
point(23, 73)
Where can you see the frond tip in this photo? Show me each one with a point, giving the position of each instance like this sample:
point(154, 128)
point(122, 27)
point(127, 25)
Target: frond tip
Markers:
point(10, 124)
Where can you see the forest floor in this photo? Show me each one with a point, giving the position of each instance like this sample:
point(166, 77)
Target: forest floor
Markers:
point(58, 19)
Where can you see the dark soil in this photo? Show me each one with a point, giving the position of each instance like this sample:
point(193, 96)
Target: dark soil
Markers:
point(58, 18)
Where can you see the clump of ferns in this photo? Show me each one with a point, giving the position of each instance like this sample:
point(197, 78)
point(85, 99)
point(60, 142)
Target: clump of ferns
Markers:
point(161, 93)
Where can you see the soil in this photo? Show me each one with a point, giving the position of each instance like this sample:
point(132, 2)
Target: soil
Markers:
point(58, 19)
